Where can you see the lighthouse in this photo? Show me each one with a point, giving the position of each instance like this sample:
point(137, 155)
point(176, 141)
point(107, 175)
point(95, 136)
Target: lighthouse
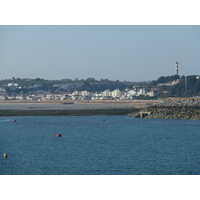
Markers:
point(176, 68)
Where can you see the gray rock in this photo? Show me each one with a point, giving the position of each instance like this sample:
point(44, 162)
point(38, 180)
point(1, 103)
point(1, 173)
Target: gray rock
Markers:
point(173, 109)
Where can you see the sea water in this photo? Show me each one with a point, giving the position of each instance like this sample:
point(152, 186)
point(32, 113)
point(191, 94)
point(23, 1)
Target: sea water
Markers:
point(98, 145)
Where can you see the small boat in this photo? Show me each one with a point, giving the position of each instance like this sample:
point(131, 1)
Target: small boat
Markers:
point(59, 135)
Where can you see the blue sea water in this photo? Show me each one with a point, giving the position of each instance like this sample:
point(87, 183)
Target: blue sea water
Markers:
point(99, 145)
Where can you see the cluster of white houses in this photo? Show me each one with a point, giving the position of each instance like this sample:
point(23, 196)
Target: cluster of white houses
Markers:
point(81, 95)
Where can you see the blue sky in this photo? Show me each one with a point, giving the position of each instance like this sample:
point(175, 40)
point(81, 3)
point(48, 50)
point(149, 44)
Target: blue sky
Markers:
point(132, 53)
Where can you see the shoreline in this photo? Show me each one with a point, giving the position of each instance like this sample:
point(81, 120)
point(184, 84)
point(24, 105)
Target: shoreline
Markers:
point(80, 101)
point(72, 108)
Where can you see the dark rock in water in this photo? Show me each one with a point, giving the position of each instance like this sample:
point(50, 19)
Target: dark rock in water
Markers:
point(69, 112)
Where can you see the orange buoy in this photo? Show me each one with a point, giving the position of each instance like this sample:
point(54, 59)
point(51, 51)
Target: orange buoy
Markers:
point(59, 135)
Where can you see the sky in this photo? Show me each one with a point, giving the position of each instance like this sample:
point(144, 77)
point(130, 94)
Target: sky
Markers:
point(120, 52)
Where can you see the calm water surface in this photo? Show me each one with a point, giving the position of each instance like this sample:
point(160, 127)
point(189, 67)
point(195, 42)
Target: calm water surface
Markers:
point(99, 145)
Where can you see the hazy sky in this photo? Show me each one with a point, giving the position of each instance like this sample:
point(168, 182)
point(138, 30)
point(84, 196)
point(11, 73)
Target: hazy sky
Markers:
point(132, 53)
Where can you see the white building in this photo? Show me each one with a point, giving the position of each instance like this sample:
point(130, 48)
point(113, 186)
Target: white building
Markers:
point(106, 93)
point(116, 93)
point(175, 82)
point(2, 97)
point(13, 84)
point(2, 90)
point(21, 97)
point(96, 96)
point(152, 93)
point(84, 93)
point(141, 92)
point(132, 93)
point(144, 92)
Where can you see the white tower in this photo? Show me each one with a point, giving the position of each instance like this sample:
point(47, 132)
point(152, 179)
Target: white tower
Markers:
point(176, 68)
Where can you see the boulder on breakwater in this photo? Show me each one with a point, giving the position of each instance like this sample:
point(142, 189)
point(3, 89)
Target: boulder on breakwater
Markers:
point(172, 109)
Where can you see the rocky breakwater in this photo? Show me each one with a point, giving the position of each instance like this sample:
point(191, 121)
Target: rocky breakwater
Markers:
point(172, 109)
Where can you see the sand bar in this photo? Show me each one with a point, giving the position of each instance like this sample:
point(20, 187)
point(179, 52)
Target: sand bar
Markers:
point(69, 105)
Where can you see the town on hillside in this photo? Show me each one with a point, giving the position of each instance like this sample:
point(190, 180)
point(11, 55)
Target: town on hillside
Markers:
point(91, 89)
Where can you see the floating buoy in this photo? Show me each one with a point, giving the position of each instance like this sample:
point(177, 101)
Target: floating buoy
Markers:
point(5, 155)
point(14, 120)
point(59, 135)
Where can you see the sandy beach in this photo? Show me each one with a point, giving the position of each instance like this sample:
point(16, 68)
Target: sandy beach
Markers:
point(70, 108)
point(72, 105)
